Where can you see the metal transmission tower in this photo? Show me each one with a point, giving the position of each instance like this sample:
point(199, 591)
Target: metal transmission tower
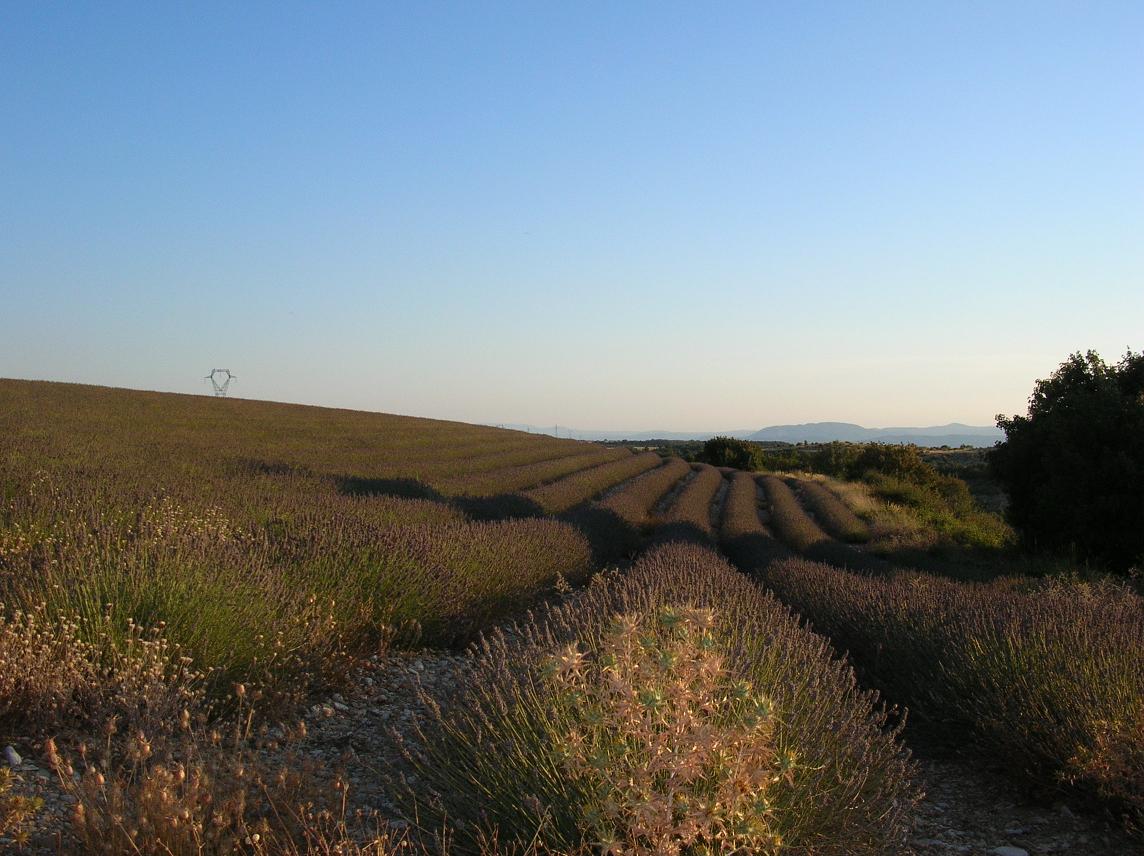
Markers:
point(220, 379)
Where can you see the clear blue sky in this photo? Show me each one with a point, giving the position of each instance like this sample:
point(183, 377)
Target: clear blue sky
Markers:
point(612, 215)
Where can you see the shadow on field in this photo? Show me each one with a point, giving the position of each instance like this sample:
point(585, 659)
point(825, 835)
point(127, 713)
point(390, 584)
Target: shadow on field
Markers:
point(609, 535)
point(503, 506)
point(754, 551)
point(686, 533)
point(844, 556)
point(403, 488)
point(757, 551)
point(256, 467)
point(976, 564)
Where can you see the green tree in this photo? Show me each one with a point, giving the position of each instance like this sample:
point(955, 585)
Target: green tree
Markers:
point(729, 452)
point(1074, 466)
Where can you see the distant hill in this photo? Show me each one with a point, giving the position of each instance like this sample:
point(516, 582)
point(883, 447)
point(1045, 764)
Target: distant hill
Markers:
point(597, 434)
point(953, 434)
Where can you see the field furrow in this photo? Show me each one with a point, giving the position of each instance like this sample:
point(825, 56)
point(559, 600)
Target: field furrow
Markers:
point(788, 519)
point(830, 512)
point(633, 501)
point(795, 527)
point(742, 535)
point(514, 478)
point(689, 515)
point(582, 485)
point(719, 498)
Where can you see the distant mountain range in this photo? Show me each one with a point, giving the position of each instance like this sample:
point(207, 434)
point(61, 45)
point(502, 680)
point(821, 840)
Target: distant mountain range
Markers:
point(584, 434)
point(954, 434)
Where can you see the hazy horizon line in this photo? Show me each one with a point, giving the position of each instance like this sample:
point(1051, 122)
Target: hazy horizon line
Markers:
point(509, 424)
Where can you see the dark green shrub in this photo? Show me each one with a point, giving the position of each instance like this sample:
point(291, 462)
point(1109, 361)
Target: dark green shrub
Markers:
point(729, 452)
point(1074, 466)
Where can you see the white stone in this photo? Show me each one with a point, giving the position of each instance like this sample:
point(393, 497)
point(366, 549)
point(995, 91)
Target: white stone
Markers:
point(12, 756)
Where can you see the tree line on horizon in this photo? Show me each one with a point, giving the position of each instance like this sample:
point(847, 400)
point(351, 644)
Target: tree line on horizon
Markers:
point(1072, 467)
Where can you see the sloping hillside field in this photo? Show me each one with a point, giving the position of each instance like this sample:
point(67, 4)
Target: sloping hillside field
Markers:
point(236, 626)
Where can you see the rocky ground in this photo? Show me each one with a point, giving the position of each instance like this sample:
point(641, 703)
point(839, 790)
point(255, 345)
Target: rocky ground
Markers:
point(970, 806)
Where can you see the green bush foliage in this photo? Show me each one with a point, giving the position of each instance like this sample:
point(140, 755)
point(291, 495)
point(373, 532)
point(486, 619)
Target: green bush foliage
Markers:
point(900, 475)
point(946, 507)
point(1074, 465)
point(852, 460)
point(729, 452)
point(523, 756)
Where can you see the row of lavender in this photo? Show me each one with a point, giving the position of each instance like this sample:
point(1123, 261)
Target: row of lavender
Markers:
point(1047, 674)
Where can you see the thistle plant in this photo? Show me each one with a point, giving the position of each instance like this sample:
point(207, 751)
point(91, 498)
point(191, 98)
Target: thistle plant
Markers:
point(621, 722)
point(17, 811)
point(675, 754)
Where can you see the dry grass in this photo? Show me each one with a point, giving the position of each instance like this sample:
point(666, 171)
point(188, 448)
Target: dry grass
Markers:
point(162, 774)
point(893, 528)
point(69, 673)
point(17, 812)
point(673, 751)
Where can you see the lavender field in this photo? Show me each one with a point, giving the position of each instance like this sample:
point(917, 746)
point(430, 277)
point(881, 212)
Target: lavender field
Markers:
point(187, 582)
